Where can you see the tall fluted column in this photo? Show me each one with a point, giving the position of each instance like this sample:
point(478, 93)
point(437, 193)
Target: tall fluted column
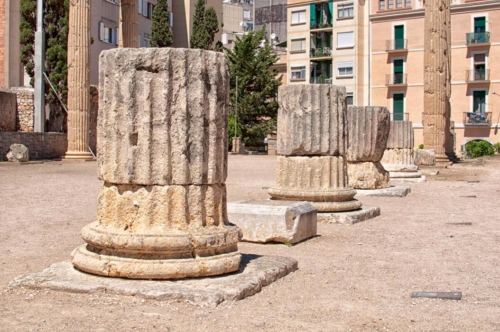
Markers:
point(78, 80)
point(437, 73)
point(128, 24)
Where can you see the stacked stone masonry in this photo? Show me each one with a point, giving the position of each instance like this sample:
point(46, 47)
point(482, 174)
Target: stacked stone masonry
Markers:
point(25, 110)
point(7, 110)
point(398, 157)
point(368, 130)
point(312, 143)
point(40, 145)
point(162, 138)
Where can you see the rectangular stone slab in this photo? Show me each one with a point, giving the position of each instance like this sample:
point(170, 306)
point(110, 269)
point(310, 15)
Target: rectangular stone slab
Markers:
point(274, 221)
point(439, 295)
point(162, 116)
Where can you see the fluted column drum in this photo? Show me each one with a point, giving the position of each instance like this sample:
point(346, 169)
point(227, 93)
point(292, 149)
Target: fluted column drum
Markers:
point(162, 140)
point(368, 130)
point(311, 142)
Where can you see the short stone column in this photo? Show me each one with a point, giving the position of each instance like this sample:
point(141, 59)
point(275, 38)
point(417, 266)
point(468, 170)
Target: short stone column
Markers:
point(311, 144)
point(162, 143)
point(398, 157)
point(128, 27)
point(368, 129)
point(78, 80)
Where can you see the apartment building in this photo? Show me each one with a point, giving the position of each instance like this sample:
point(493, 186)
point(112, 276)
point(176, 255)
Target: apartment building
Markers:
point(328, 42)
point(237, 18)
point(273, 15)
point(397, 65)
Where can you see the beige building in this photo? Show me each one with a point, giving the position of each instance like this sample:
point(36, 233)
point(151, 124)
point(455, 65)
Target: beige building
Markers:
point(328, 42)
point(397, 65)
point(238, 18)
point(11, 69)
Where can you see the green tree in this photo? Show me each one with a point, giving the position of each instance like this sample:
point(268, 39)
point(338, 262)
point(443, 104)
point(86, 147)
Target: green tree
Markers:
point(205, 26)
point(250, 61)
point(161, 34)
point(56, 15)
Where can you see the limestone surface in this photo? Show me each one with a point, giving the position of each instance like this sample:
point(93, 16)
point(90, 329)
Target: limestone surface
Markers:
point(398, 159)
point(367, 175)
point(311, 120)
point(425, 157)
point(368, 129)
point(8, 110)
point(350, 217)
point(162, 138)
point(274, 221)
point(163, 117)
point(401, 135)
point(18, 152)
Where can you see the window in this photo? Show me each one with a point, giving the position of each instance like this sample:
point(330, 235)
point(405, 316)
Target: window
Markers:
point(408, 3)
point(145, 8)
point(299, 17)
point(298, 45)
point(389, 4)
point(382, 5)
point(246, 14)
point(345, 10)
point(480, 67)
point(108, 32)
point(344, 69)
point(298, 73)
point(479, 101)
point(147, 40)
point(399, 37)
point(112, 1)
point(398, 71)
point(398, 107)
point(349, 98)
point(139, 40)
point(399, 3)
point(345, 39)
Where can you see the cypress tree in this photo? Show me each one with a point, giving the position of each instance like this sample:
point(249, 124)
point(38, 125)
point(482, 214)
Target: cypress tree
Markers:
point(258, 84)
point(161, 34)
point(205, 26)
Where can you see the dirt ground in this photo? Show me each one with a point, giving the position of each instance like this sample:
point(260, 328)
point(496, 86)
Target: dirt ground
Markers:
point(350, 278)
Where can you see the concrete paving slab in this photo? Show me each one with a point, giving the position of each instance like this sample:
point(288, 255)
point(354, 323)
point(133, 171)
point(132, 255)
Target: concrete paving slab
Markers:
point(255, 272)
point(273, 220)
point(408, 179)
point(397, 191)
point(350, 217)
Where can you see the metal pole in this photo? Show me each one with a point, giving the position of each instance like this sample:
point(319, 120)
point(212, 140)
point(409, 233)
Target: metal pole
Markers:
point(39, 95)
point(236, 113)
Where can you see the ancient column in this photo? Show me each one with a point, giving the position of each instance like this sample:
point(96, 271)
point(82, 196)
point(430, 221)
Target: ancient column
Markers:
point(398, 157)
point(78, 80)
point(312, 138)
point(162, 143)
point(127, 30)
point(437, 74)
point(368, 129)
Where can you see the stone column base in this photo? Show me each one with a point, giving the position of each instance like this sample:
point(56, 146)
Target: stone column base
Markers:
point(115, 252)
point(367, 175)
point(78, 155)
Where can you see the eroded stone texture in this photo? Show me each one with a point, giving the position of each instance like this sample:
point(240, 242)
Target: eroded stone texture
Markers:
point(401, 135)
point(368, 129)
point(18, 152)
point(396, 158)
point(312, 120)
point(162, 137)
point(7, 110)
point(367, 175)
point(425, 157)
point(164, 117)
point(437, 78)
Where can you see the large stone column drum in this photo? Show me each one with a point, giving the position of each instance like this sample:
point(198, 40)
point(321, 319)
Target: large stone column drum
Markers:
point(162, 140)
point(368, 129)
point(312, 139)
point(398, 157)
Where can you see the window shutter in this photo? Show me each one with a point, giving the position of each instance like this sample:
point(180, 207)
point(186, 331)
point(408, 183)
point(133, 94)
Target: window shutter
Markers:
point(345, 39)
point(139, 7)
point(144, 8)
point(101, 31)
point(140, 40)
point(171, 19)
point(115, 36)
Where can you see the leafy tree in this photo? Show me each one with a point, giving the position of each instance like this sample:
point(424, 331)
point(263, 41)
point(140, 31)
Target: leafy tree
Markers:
point(55, 22)
point(161, 34)
point(251, 63)
point(205, 26)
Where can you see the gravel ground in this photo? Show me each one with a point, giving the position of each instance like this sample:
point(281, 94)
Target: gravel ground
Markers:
point(350, 278)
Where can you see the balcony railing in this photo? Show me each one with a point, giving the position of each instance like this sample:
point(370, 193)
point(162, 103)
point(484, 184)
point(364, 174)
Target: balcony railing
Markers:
point(321, 80)
point(395, 79)
point(477, 75)
point(396, 45)
point(400, 116)
point(477, 118)
point(478, 38)
point(319, 52)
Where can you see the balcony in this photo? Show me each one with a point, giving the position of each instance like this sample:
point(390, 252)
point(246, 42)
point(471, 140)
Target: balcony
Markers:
point(477, 118)
point(400, 116)
point(396, 45)
point(321, 15)
point(321, 80)
point(398, 79)
point(478, 39)
point(477, 76)
point(321, 52)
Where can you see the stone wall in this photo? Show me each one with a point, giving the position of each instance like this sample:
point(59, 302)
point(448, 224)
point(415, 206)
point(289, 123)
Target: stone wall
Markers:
point(25, 118)
point(7, 110)
point(40, 145)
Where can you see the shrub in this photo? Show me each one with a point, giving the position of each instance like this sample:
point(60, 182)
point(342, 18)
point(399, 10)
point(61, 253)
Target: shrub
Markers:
point(477, 149)
point(497, 147)
point(421, 146)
